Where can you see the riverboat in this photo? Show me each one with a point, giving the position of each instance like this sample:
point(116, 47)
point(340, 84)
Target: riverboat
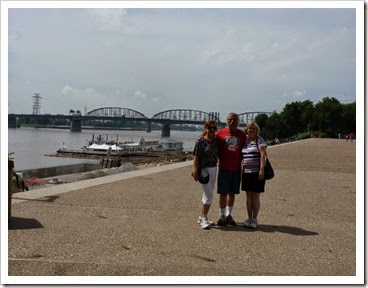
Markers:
point(141, 145)
point(103, 147)
point(114, 148)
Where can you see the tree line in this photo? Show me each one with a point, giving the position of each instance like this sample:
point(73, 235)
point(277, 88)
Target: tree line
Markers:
point(302, 119)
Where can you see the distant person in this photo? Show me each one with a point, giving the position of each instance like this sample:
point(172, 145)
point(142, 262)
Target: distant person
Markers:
point(109, 152)
point(231, 141)
point(351, 137)
point(205, 156)
point(253, 182)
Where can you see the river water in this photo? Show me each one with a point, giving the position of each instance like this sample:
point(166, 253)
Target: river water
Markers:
point(30, 144)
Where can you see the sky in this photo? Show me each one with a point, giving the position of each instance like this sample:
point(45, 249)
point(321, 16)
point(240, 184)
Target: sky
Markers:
point(152, 60)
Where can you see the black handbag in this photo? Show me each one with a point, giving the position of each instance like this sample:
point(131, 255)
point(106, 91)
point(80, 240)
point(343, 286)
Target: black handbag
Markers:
point(268, 170)
point(203, 179)
point(203, 176)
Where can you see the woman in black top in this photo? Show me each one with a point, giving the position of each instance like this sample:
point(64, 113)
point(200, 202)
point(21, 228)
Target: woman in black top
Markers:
point(205, 161)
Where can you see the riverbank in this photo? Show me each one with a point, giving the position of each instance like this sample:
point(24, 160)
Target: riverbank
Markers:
point(126, 164)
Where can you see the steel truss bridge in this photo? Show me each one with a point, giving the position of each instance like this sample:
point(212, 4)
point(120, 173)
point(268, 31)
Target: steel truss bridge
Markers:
point(249, 116)
point(166, 118)
point(116, 112)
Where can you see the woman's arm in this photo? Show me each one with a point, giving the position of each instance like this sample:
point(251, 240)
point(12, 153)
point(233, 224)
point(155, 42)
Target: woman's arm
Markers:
point(262, 150)
point(195, 168)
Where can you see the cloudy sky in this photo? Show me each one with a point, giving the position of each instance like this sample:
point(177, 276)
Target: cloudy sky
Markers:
point(153, 60)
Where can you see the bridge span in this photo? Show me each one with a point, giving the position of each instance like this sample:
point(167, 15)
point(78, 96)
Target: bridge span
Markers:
point(166, 118)
point(116, 112)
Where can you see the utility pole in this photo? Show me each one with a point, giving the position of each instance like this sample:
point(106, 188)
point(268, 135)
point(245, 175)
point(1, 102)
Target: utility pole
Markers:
point(36, 103)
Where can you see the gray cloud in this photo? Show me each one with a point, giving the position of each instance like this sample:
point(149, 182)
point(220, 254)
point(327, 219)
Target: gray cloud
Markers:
point(152, 60)
point(108, 19)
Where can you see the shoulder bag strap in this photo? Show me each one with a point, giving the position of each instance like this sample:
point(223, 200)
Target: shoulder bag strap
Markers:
point(258, 147)
point(200, 155)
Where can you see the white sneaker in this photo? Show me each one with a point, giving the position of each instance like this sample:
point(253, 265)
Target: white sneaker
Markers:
point(247, 223)
point(254, 224)
point(205, 224)
point(199, 221)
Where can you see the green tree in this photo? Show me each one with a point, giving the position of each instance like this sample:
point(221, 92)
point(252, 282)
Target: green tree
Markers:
point(262, 121)
point(291, 117)
point(326, 119)
point(271, 126)
point(307, 114)
point(328, 116)
point(348, 118)
point(275, 126)
point(297, 117)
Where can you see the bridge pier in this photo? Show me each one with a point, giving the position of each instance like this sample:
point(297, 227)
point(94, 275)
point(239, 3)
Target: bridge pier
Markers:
point(76, 125)
point(149, 127)
point(165, 131)
point(12, 122)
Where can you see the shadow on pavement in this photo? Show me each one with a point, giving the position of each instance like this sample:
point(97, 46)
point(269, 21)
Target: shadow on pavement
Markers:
point(268, 229)
point(16, 223)
point(48, 199)
point(286, 229)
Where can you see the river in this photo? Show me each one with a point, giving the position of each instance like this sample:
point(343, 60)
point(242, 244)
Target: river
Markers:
point(30, 144)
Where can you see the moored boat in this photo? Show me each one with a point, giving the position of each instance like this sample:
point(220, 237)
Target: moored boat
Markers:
point(113, 148)
point(172, 145)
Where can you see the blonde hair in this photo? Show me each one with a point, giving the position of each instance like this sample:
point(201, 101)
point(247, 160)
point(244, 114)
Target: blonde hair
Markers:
point(250, 124)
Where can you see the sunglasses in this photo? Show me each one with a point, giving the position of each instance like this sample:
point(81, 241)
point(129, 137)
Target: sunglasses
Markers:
point(211, 128)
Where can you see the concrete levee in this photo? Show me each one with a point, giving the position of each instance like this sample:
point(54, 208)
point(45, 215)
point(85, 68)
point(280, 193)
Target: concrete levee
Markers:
point(144, 223)
point(59, 170)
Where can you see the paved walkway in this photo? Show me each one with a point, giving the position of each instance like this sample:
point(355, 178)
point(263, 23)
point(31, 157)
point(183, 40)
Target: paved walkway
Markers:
point(144, 223)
